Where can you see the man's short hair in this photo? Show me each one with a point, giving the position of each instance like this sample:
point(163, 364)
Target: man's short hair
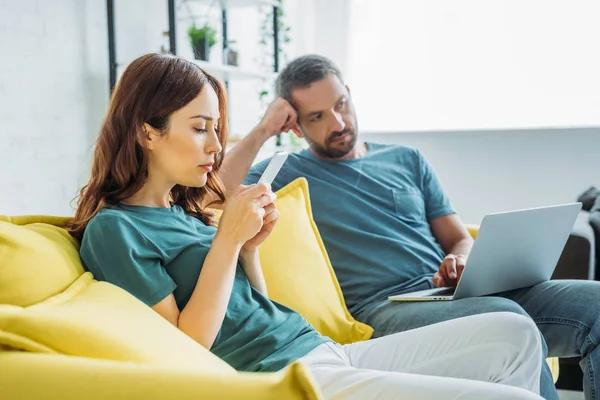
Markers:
point(303, 71)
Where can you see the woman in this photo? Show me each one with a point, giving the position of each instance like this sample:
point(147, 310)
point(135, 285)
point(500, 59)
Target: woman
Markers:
point(143, 226)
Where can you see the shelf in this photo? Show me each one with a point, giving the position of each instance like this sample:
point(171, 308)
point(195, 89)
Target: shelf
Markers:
point(230, 72)
point(238, 3)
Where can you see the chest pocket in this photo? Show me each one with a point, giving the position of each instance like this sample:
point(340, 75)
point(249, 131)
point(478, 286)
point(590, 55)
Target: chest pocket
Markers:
point(409, 203)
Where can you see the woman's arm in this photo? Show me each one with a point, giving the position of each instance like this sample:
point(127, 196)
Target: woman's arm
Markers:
point(249, 253)
point(251, 264)
point(203, 315)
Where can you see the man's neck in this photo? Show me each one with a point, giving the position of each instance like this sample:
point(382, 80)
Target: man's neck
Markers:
point(359, 151)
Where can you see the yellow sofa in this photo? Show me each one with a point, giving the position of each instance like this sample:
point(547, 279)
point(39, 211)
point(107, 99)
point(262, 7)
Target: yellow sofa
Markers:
point(65, 335)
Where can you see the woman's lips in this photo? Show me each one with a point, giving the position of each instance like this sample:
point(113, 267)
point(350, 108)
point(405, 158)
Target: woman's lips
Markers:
point(207, 167)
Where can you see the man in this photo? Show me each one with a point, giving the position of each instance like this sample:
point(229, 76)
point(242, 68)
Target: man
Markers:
point(389, 228)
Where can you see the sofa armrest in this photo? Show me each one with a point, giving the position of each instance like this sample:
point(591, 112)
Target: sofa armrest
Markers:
point(46, 376)
point(595, 225)
point(473, 230)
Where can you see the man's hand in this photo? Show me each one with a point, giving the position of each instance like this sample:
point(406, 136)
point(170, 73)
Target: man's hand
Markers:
point(280, 117)
point(450, 271)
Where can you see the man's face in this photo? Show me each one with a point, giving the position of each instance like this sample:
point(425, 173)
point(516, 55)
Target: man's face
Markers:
point(326, 117)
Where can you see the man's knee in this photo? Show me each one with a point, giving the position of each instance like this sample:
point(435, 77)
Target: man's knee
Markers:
point(399, 317)
point(482, 305)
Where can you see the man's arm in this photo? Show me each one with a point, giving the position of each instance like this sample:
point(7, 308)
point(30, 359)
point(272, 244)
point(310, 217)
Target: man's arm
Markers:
point(239, 159)
point(456, 242)
point(446, 226)
point(452, 235)
point(280, 117)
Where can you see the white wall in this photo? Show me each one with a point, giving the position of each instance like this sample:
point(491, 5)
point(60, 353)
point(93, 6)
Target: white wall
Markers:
point(54, 86)
point(139, 25)
point(492, 171)
point(473, 64)
point(53, 90)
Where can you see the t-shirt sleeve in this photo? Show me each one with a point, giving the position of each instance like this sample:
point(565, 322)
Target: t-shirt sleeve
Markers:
point(437, 204)
point(255, 172)
point(114, 250)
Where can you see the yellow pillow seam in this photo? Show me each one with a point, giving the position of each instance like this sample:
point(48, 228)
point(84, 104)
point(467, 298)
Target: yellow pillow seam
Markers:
point(80, 284)
point(19, 342)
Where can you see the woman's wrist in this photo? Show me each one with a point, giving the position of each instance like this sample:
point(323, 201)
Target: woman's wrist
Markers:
point(248, 254)
point(228, 242)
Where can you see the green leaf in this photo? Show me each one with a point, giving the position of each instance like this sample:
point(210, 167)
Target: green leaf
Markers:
point(199, 35)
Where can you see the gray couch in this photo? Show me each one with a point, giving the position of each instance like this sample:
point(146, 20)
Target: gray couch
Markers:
point(580, 260)
point(595, 224)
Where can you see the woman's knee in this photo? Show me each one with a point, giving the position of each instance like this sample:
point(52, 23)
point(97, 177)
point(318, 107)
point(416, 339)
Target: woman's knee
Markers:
point(517, 329)
point(509, 314)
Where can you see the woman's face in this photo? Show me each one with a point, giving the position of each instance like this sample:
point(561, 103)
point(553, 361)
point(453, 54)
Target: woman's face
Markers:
point(185, 155)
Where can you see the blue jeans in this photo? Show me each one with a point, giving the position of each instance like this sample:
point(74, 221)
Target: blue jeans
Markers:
point(566, 312)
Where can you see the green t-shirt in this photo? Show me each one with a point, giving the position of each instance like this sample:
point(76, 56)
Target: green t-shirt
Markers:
point(152, 252)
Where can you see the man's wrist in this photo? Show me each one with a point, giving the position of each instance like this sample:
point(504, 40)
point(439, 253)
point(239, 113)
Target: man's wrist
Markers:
point(262, 133)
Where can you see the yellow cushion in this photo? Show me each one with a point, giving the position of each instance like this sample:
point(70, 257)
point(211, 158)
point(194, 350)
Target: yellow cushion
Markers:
point(99, 320)
point(39, 260)
point(298, 272)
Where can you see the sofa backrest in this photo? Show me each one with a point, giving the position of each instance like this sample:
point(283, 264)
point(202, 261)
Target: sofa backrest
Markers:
point(38, 259)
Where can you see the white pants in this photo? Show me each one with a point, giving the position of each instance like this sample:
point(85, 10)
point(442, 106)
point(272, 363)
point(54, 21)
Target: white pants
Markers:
point(486, 356)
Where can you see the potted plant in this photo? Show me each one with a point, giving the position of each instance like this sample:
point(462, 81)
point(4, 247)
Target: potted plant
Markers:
point(202, 39)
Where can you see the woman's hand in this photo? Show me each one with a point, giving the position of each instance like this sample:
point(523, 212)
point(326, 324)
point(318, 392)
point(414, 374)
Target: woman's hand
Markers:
point(244, 214)
point(269, 221)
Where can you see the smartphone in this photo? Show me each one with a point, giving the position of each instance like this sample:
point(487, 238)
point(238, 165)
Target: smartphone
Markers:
point(273, 168)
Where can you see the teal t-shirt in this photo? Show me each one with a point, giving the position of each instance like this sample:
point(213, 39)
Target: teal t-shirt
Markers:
point(373, 214)
point(152, 252)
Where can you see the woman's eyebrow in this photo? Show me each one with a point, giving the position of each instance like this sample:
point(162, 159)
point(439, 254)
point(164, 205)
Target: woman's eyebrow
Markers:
point(203, 117)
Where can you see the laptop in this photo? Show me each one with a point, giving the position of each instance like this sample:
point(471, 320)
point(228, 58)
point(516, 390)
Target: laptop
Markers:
point(512, 250)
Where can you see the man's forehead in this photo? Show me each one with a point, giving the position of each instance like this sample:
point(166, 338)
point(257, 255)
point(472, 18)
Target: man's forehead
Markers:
point(319, 95)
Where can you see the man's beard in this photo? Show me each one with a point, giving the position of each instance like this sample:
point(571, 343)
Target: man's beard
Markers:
point(329, 151)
